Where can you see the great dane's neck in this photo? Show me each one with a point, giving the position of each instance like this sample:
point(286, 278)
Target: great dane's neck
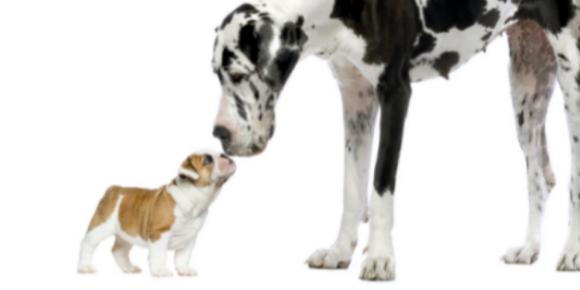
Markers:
point(318, 26)
point(328, 36)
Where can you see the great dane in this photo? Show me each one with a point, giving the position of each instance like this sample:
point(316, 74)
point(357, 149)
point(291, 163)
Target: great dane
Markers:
point(376, 49)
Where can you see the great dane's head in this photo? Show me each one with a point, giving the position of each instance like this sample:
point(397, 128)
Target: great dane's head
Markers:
point(254, 54)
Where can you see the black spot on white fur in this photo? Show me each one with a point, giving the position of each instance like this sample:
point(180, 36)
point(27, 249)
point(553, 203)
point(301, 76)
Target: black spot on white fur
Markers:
point(241, 107)
point(425, 44)
point(445, 63)
point(490, 18)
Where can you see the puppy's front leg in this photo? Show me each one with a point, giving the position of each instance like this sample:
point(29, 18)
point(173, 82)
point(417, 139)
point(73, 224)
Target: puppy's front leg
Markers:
point(158, 257)
point(182, 258)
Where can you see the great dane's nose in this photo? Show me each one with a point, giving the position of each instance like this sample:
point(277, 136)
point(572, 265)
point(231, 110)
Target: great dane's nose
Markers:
point(223, 134)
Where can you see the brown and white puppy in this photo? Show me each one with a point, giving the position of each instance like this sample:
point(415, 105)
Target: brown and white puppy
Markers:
point(167, 218)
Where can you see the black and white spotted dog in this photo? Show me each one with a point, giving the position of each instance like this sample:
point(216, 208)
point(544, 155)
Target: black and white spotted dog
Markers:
point(376, 48)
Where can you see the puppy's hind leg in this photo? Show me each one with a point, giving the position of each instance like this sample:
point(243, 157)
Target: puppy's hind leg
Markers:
point(89, 244)
point(103, 225)
point(121, 250)
point(533, 73)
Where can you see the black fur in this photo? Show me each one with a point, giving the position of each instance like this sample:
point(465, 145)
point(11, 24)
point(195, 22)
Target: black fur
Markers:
point(442, 15)
point(227, 58)
point(292, 33)
point(445, 62)
point(381, 23)
point(490, 18)
point(241, 107)
point(390, 29)
point(426, 44)
point(249, 42)
point(553, 15)
point(292, 38)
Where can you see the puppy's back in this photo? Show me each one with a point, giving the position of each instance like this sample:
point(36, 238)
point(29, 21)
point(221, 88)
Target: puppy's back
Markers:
point(143, 213)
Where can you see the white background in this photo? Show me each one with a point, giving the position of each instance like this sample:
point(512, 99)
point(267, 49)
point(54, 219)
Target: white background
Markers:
point(94, 93)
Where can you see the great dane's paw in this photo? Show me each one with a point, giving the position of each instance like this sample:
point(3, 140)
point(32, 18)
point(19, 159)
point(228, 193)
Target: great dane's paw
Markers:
point(378, 268)
point(186, 272)
point(86, 269)
point(570, 260)
point(525, 255)
point(132, 270)
point(161, 273)
point(333, 258)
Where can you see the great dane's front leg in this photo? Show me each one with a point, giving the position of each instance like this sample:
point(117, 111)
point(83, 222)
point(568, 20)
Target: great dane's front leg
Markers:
point(394, 94)
point(567, 48)
point(360, 107)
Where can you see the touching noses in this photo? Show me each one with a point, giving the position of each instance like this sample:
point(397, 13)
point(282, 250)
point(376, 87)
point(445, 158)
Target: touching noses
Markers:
point(223, 134)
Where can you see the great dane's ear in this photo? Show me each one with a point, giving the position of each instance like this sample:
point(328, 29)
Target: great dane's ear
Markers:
point(292, 33)
point(250, 42)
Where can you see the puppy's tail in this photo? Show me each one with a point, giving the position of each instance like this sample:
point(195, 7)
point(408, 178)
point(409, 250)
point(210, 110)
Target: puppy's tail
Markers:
point(106, 207)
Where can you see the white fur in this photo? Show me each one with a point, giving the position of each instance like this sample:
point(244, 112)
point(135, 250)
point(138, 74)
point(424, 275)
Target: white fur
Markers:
point(356, 169)
point(189, 173)
point(565, 43)
point(191, 210)
point(380, 261)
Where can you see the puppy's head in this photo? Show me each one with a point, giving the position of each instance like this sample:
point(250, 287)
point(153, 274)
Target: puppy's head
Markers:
point(207, 169)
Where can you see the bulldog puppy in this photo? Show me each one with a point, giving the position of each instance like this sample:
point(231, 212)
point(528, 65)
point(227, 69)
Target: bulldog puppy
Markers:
point(163, 219)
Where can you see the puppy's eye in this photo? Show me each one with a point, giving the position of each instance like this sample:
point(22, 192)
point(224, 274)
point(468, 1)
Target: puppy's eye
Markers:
point(207, 160)
point(236, 77)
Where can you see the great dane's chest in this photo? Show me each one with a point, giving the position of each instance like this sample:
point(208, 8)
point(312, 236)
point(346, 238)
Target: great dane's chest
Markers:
point(454, 31)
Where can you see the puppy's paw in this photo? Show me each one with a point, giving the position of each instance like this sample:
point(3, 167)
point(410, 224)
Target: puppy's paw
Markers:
point(161, 273)
point(570, 261)
point(132, 270)
point(86, 269)
point(186, 272)
point(333, 258)
point(525, 255)
point(378, 268)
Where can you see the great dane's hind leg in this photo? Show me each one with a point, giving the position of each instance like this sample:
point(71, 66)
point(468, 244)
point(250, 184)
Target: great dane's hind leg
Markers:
point(567, 48)
point(533, 74)
point(360, 107)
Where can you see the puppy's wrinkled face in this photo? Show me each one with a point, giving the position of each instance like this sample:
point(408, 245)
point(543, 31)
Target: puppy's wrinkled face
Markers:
point(207, 169)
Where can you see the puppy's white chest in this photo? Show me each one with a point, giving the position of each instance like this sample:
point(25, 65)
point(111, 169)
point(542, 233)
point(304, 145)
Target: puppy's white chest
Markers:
point(185, 230)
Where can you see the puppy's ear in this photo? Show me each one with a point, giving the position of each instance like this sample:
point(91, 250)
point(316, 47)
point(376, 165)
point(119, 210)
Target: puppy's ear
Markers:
point(188, 169)
point(188, 173)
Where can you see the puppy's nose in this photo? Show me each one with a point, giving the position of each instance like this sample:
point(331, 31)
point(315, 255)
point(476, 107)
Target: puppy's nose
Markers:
point(223, 134)
point(226, 158)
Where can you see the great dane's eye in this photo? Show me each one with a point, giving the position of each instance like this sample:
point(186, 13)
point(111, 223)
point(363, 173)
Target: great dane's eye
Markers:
point(207, 160)
point(236, 78)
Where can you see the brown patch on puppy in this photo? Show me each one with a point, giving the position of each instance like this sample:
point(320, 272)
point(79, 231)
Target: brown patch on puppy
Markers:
point(105, 208)
point(202, 165)
point(146, 213)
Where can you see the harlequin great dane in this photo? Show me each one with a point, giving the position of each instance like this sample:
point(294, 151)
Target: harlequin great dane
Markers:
point(376, 48)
